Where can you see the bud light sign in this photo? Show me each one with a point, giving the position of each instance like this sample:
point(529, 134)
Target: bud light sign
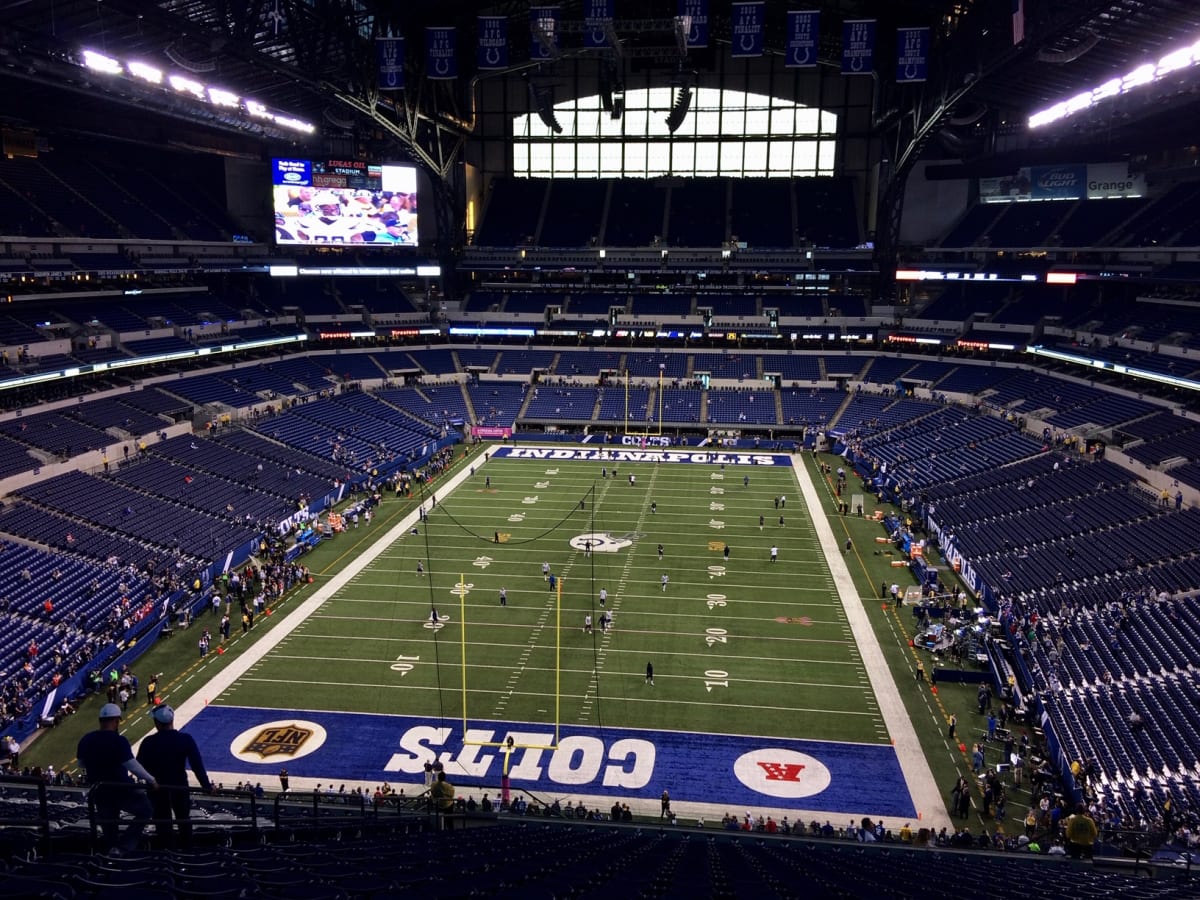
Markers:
point(1058, 182)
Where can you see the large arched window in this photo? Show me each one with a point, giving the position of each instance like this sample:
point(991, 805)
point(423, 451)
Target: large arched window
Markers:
point(730, 133)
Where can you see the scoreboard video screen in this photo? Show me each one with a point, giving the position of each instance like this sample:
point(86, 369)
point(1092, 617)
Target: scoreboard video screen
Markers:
point(330, 202)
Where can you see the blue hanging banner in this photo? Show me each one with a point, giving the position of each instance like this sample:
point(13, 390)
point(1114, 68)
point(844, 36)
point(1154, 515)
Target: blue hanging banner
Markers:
point(543, 32)
point(695, 14)
point(389, 58)
point(440, 61)
point(803, 32)
point(597, 14)
point(912, 55)
point(748, 22)
point(493, 43)
point(858, 46)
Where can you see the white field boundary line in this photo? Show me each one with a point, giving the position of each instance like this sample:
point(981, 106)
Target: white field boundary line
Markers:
point(913, 764)
point(220, 682)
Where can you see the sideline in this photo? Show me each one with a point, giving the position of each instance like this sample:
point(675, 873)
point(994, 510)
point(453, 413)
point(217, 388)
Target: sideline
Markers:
point(913, 764)
point(216, 686)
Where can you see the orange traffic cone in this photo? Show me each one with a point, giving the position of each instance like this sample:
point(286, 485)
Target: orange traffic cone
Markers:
point(220, 651)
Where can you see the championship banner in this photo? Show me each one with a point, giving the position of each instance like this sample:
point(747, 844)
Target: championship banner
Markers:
point(543, 32)
point(695, 12)
point(803, 31)
point(596, 15)
point(493, 43)
point(748, 23)
point(440, 61)
point(912, 55)
point(858, 47)
point(389, 59)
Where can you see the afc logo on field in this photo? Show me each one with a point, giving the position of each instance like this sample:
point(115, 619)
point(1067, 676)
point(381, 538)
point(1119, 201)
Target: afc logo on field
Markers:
point(275, 741)
point(782, 773)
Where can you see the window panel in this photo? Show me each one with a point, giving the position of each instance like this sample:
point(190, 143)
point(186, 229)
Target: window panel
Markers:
point(733, 122)
point(587, 160)
point(731, 158)
point(707, 158)
point(705, 122)
point(636, 122)
point(804, 159)
point(754, 161)
point(827, 154)
point(658, 159)
point(564, 158)
point(683, 158)
point(610, 160)
point(780, 158)
point(635, 160)
point(595, 145)
point(758, 121)
point(783, 121)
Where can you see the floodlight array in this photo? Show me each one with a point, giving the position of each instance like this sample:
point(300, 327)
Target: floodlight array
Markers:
point(190, 87)
point(1148, 73)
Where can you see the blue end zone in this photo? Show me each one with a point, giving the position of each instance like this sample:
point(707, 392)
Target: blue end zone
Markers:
point(743, 772)
point(649, 455)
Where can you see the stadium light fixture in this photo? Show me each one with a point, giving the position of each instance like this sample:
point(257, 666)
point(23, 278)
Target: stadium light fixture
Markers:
point(145, 72)
point(187, 86)
point(228, 99)
point(182, 84)
point(1147, 73)
point(98, 62)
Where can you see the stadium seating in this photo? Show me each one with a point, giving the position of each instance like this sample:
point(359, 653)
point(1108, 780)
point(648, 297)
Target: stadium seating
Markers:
point(523, 362)
point(618, 404)
point(825, 212)
point(676, 405)
point(496, 403)
point(661, 305)
point(635, 213)
point(441, 404)
point(580, 362)
point(696, 214)
point(761, 213)
point(512, 212)
point(1093, 220)
point(573, 212)
point(742, 407)
point(562, 404)
point(729, 305)
point(742, 366)
point(971, 228)
point(522, 856)
point(651, 365)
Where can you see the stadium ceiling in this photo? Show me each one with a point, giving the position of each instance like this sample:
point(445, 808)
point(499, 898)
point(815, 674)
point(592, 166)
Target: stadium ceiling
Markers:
point(314, 60)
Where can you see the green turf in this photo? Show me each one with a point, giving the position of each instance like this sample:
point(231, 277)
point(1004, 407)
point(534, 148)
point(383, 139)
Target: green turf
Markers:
point(784, 679)
point(748, 647)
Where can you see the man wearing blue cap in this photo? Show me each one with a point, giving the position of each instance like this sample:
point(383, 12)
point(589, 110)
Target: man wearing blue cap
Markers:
point(108, 759)
point(165, 755)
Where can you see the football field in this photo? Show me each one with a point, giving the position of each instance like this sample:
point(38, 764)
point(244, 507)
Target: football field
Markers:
point(759, 693)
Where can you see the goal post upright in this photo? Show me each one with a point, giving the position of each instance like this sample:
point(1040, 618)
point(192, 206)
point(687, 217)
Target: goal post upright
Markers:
point(462, 615)
point(558, 661)
point(508, 744)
